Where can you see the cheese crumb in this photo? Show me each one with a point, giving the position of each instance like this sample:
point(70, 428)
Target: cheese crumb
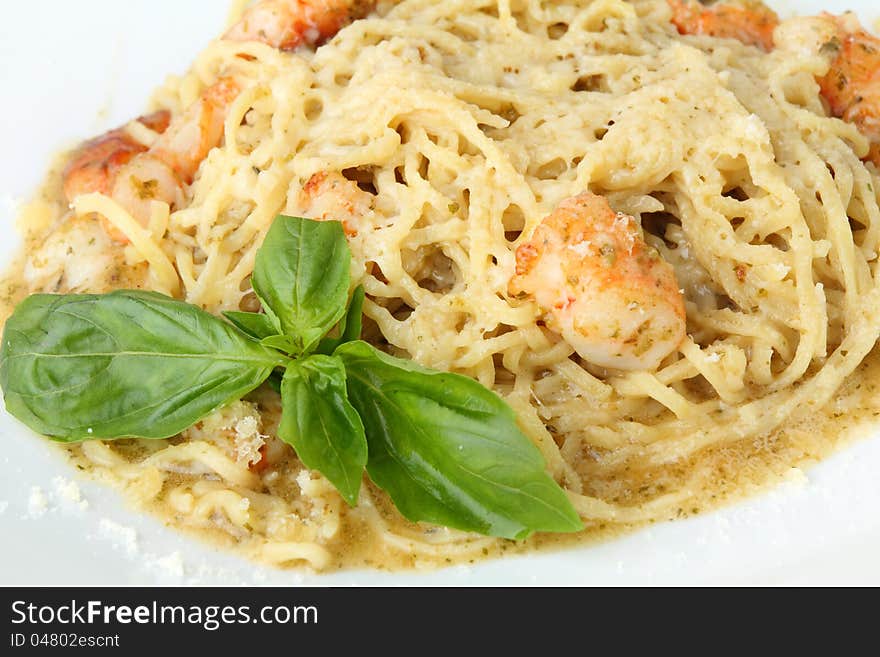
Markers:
point(797, 477)
point(171, 565)
point(121, 536)
point(3, 506)
point(248, 440)
point(68, 492)
point(235, 429)
point(38, 503)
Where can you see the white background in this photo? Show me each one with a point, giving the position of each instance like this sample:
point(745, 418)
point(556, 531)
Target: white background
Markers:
point(73, 69)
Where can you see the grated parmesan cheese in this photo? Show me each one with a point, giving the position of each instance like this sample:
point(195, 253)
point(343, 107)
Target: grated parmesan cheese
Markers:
point(248, 439)
point(38, 503)
point(68, 492)
point(797, 477)
point(121, 536)
point(235, 429)
point(169, 566)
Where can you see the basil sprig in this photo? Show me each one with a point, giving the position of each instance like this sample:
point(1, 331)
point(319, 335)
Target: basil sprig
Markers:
point(82, 366)
point(139, 364)
point(302, 278)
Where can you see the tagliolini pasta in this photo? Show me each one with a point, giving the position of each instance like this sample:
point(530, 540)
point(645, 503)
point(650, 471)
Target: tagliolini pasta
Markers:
point(469, 121)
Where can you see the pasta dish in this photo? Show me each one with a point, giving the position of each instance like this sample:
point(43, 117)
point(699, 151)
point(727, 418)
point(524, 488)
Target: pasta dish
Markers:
point(649, 227)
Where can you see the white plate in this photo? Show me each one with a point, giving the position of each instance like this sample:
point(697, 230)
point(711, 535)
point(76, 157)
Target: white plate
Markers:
point(72, 69)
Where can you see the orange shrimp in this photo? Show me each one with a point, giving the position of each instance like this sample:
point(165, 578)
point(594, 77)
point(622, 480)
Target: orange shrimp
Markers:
point(330, 196)
point(748, 21)
point(94, 165)
point(199, 129)
point(601, 287)
point(135, 176)
point(852, 85)
point(289, 24)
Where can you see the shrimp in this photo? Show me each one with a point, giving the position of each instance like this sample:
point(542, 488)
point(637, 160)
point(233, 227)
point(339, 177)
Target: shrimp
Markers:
point(330, 196)
point(601, 287)
point(134, 175)
point(95, 164)
point(172, 161)
point(94, 269)
point(199, 129)
point(288, 24)
point(852, 84)
point(748, 21)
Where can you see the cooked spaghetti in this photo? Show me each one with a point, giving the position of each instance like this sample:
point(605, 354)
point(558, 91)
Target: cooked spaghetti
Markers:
point(443, 134)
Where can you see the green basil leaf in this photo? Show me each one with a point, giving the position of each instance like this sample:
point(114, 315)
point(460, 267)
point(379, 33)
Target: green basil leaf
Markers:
point(256, 325)
point(302, 276)
point(283, 343)
point(321, 425)
point(125, 364)
point(350, 326)
point(449, 451)
point(354, 319)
